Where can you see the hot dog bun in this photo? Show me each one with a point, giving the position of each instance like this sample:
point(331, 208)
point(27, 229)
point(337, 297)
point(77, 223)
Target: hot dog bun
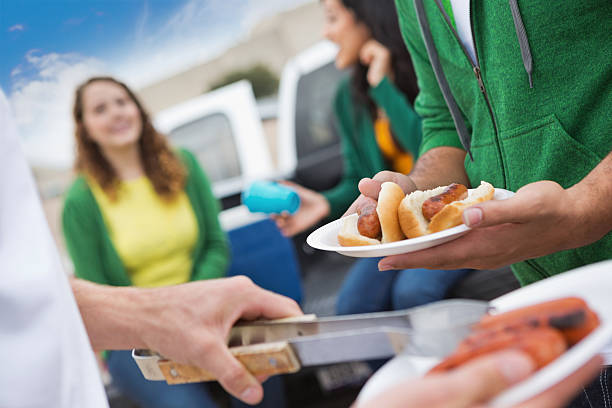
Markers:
point(414, 224)
point(389, 199)
point(411, 219)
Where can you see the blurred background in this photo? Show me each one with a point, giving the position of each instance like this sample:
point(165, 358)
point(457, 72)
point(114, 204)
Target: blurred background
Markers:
point(246, 85)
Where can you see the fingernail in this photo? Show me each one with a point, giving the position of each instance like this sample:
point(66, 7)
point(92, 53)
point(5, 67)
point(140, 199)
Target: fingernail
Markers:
point(472, 216)
point(251, 395)
point(515, 366)
point(385, 267)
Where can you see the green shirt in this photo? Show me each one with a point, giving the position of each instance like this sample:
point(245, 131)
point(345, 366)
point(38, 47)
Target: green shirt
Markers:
point(360, 152)
point(96, 259)
point(558, 130)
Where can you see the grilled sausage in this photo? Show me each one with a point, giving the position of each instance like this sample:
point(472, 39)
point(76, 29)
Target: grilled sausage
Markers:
point(542, 344)
point(570, 315)
point(434, 205)
point(368, 223)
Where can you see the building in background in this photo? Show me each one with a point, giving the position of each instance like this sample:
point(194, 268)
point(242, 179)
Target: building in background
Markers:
point(270, 44)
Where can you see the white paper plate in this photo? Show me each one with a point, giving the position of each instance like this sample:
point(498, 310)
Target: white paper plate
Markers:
point(591, 282)
point(326, 237)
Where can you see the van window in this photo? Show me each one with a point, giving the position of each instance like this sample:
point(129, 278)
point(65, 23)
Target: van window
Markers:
point(211, 140)
point(314, 121)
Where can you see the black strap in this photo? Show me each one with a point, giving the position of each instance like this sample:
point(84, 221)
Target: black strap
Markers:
point(464, 136)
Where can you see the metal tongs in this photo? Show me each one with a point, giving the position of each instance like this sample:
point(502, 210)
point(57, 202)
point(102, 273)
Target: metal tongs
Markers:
point(285, 345)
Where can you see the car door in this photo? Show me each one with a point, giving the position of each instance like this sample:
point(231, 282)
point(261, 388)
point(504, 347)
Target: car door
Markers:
point(223, 130)
point(308, 141)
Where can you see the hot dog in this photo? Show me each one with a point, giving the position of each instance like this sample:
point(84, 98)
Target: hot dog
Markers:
point(544, 331)
point(570, 315)
point(362, 228)
point(434, 205)
point(543, 344)
point(426, 212)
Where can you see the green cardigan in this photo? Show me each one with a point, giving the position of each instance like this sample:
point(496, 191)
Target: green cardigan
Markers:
point(361, 154)
point(94, 256)
point(558, 130)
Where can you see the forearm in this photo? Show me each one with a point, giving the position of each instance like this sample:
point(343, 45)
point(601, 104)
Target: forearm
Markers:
point(439, 167)
point(591, 200)
point(113, 316)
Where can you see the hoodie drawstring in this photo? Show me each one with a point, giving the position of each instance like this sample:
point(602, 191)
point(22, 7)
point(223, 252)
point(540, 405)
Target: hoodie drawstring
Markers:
point(462, 131)
point(522, 39)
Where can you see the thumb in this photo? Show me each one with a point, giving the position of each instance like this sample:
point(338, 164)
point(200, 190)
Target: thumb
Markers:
point(370, 187)
point(495, 212)
point(366, 54)
point(231, 374)
point(479, 381)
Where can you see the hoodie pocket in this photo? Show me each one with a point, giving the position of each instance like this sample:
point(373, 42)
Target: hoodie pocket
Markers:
point(542, 150)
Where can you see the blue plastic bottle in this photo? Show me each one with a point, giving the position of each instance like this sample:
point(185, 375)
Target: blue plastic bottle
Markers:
point(270, 198)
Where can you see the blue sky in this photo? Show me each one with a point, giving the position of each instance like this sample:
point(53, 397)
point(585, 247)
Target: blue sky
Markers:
point(49, 46)
point(92, 28)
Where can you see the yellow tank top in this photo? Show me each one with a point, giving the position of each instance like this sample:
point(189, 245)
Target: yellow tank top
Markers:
point(400, 161)
point(154, 238)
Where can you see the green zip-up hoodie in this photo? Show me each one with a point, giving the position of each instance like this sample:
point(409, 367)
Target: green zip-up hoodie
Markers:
point(558, 130)
point(92, 251)
point(360, 152)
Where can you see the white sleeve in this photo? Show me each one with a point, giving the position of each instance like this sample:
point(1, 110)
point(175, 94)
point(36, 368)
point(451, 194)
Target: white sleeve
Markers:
point(47, 359)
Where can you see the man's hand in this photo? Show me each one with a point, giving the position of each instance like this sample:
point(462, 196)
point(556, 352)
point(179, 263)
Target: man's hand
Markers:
point(478, 382)
point(541, 218)
point(187, 323)
point(190, 324)
point(313, 208)
point(439, 166)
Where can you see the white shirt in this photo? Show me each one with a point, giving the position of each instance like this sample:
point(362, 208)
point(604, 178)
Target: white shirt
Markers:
point(47, 360)
point(461, 12)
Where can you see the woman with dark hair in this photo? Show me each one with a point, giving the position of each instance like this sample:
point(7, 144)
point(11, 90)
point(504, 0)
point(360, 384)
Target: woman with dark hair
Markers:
point(380, 131)
point(138, 214)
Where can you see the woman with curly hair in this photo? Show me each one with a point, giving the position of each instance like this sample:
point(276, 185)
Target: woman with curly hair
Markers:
point(141, 214)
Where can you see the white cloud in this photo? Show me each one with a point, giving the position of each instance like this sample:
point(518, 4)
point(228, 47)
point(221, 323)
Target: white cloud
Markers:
point(16, 27)
point(196, 32)
point(42, 104)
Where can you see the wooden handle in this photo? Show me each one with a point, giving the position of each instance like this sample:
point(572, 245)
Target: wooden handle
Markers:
point(259, 359)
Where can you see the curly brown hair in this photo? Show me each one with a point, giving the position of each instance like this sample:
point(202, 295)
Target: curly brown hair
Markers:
point(161, 165)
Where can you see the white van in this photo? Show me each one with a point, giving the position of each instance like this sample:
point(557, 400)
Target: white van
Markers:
point(223, 130)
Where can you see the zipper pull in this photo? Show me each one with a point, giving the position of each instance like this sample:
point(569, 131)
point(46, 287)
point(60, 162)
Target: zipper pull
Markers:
point(479, 78)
